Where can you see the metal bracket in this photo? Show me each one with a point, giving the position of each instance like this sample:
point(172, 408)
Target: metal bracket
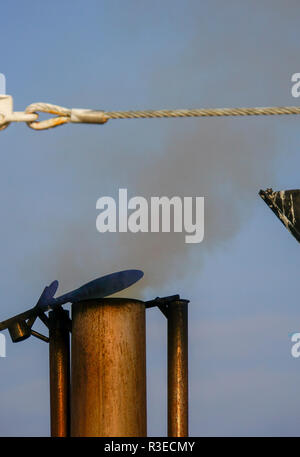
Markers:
point(163, 303)
point(40, 336)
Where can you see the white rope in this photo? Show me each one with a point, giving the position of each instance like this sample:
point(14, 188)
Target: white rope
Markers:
point(65, 115)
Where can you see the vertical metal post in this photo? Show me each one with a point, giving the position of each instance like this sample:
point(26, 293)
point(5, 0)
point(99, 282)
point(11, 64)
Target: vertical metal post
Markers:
point(108, 397)
point(59, 356)
point(177, 314)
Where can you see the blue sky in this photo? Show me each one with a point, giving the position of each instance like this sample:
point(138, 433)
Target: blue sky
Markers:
point(243, 279)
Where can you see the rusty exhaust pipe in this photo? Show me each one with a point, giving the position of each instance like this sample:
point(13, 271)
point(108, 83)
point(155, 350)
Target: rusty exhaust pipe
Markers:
point(59, 360)
point(109, 369)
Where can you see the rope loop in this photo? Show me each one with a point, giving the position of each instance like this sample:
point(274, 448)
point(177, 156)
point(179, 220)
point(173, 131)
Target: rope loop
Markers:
point(63, 115)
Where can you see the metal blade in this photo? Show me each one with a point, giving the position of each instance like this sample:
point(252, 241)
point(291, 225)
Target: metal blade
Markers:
point(99, 288)
point(48, 294)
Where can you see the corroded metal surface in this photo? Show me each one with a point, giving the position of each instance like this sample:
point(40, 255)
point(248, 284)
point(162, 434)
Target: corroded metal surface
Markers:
point(59, 359)
point(286, 205)
point(177, 315)
point(108, 396)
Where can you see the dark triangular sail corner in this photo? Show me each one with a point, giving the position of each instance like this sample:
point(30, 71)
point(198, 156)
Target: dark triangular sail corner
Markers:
point(286, 205)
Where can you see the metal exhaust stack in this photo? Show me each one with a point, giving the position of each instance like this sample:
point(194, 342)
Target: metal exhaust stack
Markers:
point(177, 315)
point(109, 368)
point(175, 310)
point(59, 373)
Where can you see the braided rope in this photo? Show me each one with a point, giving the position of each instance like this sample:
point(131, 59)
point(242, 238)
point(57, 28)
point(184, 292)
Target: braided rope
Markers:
point(65, 115)
point(267, 111)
